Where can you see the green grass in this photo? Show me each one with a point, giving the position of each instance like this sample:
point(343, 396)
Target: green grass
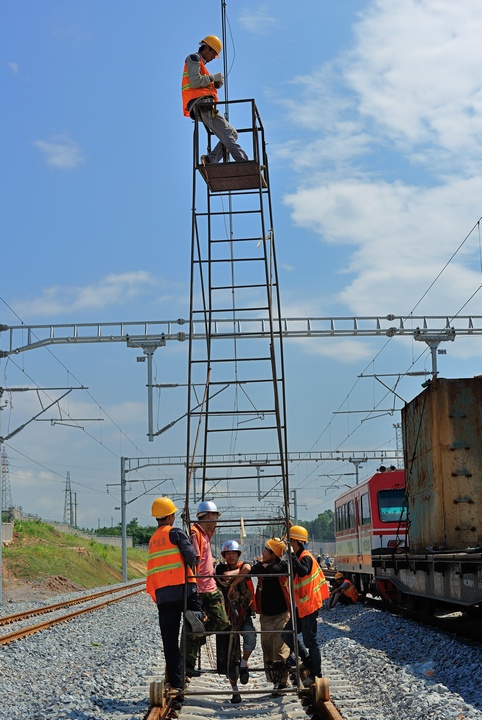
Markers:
point(39, 551)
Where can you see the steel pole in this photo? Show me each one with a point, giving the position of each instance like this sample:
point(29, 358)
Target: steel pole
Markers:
point(123, 519)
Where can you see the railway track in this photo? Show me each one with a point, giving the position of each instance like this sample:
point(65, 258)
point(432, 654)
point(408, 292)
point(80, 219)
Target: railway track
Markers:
point(110, 596)
point(208, 697)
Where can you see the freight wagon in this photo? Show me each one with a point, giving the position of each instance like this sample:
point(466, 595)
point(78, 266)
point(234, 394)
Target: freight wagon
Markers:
point(442, 560)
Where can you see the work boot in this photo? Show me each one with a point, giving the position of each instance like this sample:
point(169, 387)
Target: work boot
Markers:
point(244, 674)
point(236, 698)
point(195, 624)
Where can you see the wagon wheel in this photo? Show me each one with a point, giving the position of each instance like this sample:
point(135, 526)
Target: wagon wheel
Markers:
point(157, 697)
point(322, 690)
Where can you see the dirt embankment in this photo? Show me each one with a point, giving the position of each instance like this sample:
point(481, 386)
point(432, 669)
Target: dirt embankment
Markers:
point(16, 591)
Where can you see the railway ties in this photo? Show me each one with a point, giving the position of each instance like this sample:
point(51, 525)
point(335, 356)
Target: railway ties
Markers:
point(208, 696)
point(54, 614)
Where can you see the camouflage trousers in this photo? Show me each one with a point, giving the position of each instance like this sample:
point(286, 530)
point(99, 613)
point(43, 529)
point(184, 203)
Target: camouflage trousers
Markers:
point(213, 606)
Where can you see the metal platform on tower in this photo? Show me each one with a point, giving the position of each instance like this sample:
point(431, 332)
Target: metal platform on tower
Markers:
point(233, 176)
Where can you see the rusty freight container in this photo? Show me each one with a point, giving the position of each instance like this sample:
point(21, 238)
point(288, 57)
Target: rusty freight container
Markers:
point(442, 438)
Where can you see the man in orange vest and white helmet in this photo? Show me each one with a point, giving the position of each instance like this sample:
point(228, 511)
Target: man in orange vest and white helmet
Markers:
point(170, 559)
point(310, 588)
point(199, 95)
point(210, 596)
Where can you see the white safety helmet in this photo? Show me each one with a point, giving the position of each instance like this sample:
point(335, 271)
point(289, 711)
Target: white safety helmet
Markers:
point(231, 546)
point(207, 506)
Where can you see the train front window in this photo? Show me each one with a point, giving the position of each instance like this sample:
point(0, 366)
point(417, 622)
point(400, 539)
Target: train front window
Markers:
point(391, 505)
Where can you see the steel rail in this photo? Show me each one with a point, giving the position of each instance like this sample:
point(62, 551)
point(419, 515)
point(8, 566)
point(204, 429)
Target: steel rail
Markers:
point(25, 632)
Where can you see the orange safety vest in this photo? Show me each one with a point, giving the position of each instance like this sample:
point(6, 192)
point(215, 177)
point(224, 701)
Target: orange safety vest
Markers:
point(165, 564)
point(351, 592)
point(189, 93)
point(198, 534)
point(311, 590)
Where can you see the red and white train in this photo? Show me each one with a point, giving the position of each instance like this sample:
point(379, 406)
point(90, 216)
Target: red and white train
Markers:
point(370, 516)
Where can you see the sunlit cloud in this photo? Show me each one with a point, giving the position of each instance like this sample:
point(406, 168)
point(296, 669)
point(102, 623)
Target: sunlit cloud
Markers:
point(13, 67)
point(110, 291)
point(62, 153)
point(259, 21)
point(403, 102)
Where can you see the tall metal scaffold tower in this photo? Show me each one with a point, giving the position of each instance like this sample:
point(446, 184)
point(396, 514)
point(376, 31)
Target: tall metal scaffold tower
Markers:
point(236, 384)
point(68, 502)
point(6, 488)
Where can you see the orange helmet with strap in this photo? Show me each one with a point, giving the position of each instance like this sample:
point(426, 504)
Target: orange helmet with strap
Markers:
point(213, 42)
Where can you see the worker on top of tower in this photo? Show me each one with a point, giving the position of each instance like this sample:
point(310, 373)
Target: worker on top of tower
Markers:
point(199, 98)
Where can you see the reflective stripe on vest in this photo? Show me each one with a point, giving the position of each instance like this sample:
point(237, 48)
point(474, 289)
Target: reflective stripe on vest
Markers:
point(165, 567)
point(310, 591)
point(351, 592)
point(189, 93)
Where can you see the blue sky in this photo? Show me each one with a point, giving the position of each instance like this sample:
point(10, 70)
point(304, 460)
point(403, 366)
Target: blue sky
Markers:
point(373, 115)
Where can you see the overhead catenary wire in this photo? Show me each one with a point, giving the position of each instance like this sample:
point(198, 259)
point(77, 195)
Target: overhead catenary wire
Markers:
point(424, 352)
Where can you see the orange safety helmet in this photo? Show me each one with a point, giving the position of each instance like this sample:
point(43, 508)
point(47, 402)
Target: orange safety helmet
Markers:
point(276, 546)
point(214, 43)
point(339, 576)
point(162, 507)
point(297, 532)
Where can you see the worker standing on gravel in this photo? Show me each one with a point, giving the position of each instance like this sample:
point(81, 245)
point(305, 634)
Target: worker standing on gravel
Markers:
point(211, 598)
point(273, 605)
point(199, 98)
point(240, 607)
point(310, 589)
point(170, 560)
point(343, 592)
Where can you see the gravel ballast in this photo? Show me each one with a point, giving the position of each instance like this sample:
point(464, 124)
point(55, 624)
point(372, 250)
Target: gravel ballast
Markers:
point(99, 666)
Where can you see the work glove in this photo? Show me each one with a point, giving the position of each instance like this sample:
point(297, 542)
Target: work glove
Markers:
point(218, 80)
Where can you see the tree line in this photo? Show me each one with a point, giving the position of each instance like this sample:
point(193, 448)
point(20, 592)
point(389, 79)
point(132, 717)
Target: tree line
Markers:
point(321, 529)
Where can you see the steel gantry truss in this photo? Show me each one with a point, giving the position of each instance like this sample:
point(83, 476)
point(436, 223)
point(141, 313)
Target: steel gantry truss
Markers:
point(156, 333)
point(150, 335)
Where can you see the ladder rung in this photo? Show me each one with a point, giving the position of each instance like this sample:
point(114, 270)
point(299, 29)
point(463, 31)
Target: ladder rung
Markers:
point(228, 311)
point(230, 260)
point(239, 287)
point(232, 360)
point(244, 429)
point(232, 413)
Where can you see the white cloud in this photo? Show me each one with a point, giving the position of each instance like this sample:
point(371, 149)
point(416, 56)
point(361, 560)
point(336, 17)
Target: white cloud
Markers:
point(345, 351)
point(402, 240)
point(391, 154)
point(13, 67)
point(415, 69)
point(110, 291)
point(259, 22)
point(62, 153)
